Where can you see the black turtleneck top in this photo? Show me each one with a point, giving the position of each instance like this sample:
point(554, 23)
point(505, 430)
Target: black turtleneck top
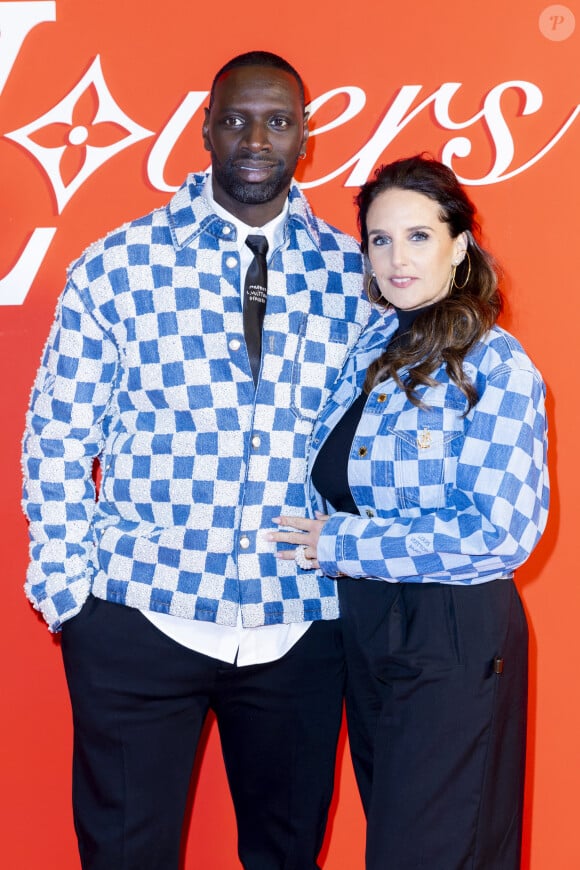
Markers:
point(329, 474)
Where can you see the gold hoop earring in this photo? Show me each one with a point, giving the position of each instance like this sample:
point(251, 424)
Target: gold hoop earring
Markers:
point(375, 296)
point(454, 282)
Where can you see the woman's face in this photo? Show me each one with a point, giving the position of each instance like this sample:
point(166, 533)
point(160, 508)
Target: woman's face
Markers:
point(410, 248)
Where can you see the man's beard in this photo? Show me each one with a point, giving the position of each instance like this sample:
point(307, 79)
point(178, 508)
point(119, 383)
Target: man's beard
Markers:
point(246, 192)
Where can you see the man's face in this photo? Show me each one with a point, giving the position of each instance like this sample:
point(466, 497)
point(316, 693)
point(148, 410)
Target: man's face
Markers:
point(255, 131)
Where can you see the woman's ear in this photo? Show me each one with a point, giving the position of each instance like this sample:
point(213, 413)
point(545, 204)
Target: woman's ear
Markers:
point(460, 248)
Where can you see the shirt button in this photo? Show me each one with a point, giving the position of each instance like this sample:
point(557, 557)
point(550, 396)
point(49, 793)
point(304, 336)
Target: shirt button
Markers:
point(362, 451)
point(256, 441)
point(381, 397)
point(226, 230)
point(244, 542)
point(370, 513)
point(234, 344)
point(231, 262)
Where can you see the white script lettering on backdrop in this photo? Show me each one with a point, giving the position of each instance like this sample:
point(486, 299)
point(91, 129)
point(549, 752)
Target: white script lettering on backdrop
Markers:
point(75, 127)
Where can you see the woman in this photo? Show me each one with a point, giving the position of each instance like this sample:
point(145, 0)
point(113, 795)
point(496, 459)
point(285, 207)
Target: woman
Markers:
point(431, 487)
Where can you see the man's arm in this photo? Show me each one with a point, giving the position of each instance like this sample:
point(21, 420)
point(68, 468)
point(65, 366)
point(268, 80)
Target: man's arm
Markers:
point(63, 436)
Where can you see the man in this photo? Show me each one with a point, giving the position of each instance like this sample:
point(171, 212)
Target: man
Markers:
point(170, 597)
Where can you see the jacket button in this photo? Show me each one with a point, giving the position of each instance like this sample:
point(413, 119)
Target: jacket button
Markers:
point(381, 397)
point(370, 513)
point(362, 451)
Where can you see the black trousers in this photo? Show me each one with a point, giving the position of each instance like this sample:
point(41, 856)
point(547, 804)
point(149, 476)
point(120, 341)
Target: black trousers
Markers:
point(436, 707)
point(139, 702)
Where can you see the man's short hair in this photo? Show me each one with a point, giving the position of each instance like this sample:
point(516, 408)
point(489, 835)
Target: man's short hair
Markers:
point(258, 58)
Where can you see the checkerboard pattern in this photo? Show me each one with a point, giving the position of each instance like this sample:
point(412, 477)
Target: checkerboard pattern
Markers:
point(146, 368)
point(443, 497)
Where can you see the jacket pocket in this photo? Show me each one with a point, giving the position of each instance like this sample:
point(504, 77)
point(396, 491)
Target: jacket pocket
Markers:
point(427, 444)
point(321, 350)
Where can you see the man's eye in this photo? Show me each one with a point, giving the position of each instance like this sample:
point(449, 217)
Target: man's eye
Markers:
point(233, 122)
point(280, 123)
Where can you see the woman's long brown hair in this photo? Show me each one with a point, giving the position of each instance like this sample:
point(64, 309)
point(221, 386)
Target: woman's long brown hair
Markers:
point(446, 332)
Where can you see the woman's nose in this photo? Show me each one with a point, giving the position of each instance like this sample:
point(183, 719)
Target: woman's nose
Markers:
point(398, 254)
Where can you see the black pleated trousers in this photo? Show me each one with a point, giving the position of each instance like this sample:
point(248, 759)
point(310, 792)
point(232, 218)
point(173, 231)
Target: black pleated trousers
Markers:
point(139, 702)
point(436, 705)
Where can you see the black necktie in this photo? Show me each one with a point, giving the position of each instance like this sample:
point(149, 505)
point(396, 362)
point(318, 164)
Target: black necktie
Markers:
point(255, 290)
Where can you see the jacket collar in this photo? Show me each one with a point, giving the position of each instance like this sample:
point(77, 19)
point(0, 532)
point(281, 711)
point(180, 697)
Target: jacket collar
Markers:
point(189, 214)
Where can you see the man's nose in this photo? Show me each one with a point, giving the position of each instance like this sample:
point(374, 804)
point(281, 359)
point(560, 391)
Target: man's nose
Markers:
point(257, 137)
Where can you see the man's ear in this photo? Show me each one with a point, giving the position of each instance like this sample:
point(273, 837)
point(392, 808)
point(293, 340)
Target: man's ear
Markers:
point(205, 130)
point(305, 135)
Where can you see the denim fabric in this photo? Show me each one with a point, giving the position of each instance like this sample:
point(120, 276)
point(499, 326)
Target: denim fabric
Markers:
point(443, 496)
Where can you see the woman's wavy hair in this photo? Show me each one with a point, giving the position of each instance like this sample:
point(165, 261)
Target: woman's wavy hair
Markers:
point(450, 327)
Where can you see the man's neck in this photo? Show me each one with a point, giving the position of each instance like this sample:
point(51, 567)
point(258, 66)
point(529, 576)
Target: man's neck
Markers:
point(252, 214)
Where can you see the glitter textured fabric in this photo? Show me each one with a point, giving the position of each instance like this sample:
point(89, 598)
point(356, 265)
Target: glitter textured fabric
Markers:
point(146, 367)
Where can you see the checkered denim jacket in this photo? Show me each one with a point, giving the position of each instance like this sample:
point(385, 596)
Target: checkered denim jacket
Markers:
point(146, 368)
point(442, 497)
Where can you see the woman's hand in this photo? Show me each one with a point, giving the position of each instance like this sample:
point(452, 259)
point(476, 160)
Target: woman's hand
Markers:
point(306, 536)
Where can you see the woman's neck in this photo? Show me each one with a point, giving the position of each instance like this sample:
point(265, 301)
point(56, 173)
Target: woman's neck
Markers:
point(407, 318)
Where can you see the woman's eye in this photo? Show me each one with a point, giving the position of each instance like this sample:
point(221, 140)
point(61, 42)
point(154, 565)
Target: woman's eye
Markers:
point(419, 237)
point(379, 241)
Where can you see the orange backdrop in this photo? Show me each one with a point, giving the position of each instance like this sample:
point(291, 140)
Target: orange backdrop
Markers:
point(100, 112)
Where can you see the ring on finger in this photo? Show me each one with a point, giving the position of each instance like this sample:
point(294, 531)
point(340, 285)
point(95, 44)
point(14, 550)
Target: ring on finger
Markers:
point(302, 559)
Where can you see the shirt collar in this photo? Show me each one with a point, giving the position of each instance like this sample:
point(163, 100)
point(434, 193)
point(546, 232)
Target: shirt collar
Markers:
point(273, 230)
point(189, 213)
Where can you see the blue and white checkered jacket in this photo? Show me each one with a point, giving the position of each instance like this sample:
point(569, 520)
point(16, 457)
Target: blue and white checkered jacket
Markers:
point(442, 497)
point(146, 368)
